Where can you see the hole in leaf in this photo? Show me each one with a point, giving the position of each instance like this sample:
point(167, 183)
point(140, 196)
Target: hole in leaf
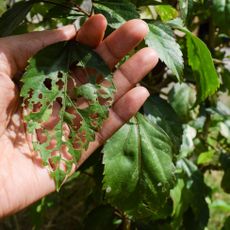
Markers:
point(60, 84)
point(48, 83)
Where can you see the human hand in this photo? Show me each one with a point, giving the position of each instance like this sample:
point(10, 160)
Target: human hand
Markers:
point(22, 179)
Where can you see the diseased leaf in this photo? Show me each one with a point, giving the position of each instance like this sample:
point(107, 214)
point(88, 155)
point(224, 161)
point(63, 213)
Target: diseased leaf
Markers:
point(10, 20)
point(161, 38)
point(138, 160)
point(160, 112)
point(116, 12)
point(45, 90)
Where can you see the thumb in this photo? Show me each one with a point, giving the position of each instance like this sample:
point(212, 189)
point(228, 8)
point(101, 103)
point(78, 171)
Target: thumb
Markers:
point(18, 49)
point(15, 52)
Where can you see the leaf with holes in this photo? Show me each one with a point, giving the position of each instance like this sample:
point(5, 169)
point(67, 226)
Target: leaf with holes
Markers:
point(63, 114)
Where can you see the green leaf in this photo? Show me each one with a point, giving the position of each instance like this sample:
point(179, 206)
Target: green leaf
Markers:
point(200, 60)
point(116, 12)
point(166, 12)
point(186, 7)
point(221, 13)
point(45, 85)
point(161, 38)
point(220, 206)
point(2, 7)
point(206, 158)
point(138, 160)
point(160, 112)
point(190, 207)
point(14, 16)
point(183, 107)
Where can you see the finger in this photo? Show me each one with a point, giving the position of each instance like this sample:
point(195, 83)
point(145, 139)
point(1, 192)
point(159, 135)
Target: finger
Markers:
point(125, 108)
point(93, 30)
point(133, 70)
point(121, 41)
point(126, 76)
point(18, 49)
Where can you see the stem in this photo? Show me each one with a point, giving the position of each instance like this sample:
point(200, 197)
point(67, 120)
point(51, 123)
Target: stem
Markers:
point(211, 37)
point(58, 4)
point(221, 62)
point(126, 223)
point(75, 7)
point(206, 126)
point(78, 8)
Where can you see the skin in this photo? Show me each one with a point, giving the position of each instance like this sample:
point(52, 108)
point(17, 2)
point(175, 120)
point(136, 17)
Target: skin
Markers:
point(22, 178)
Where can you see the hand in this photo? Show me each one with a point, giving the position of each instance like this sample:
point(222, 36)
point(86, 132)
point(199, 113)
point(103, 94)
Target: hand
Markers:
point(22, 179)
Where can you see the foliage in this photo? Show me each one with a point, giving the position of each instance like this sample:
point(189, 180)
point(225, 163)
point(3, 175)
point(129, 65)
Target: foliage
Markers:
point(153, 171)
point(45, 84)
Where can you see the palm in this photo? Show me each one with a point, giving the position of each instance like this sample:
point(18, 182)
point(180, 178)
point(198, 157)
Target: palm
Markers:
point(20, 168)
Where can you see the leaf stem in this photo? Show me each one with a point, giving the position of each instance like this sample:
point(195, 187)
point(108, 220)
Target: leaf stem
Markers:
point(74, 7)
point(58, 4)
point(78, 8)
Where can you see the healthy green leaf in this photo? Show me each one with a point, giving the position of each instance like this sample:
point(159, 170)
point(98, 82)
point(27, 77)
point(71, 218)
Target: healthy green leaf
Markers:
point(2, 6)
point(14, 16)
point(200, 60)
point(161, 38)
point(183, 107)
point(45, 88)
point(166, 12)
point(116, 12)
point(138, 160)
point(221, 206)
point(221, 13)
point(160, 112)
point(186, 7)
point(189, 198)
point(206, 158)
